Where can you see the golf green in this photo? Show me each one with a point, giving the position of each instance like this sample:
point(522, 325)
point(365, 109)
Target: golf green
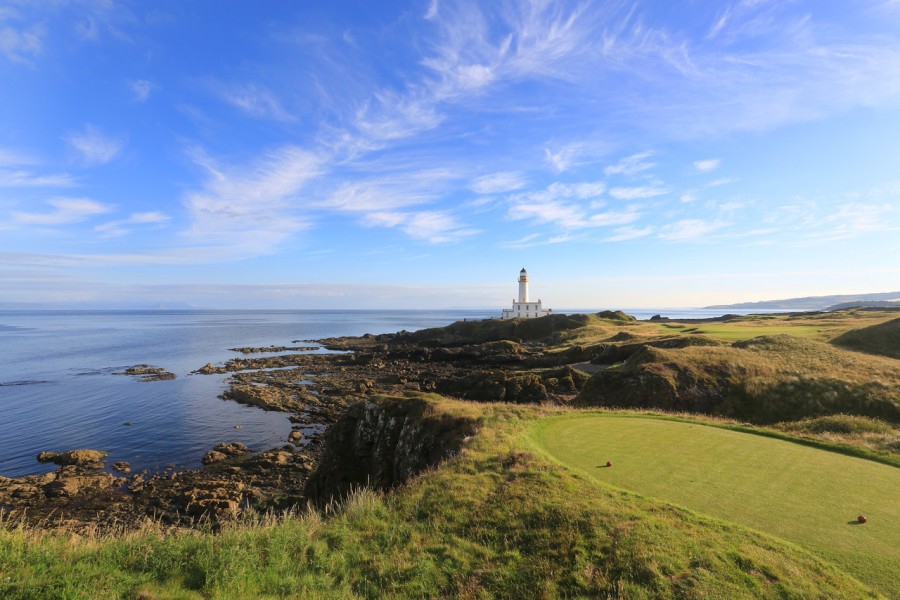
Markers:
point(802, 494)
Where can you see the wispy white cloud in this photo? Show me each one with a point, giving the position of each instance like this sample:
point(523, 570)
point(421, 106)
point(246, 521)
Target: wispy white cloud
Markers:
point(710, 164)
point(125, 226)
point(141, 89)
point(17, 176)
point(523, 242)
point(93, 146)
point(395, 190)
point(624, 234)
point(23, 178)
point(467, 57)
point(20, 45)
point(436, 227)
point(66, 211)
point(689, 229)
point(569, 206)
point(638, 192)
point(10, 157)
point(565, 157)
point(432, 11)
point(390, 116)
point(631, 165)
point(851, 220)
point(498, 183)
point(12, 173)
point(252, 207)
point(255, 100)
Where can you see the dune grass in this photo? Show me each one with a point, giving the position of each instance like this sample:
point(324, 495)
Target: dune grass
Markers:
point(734, 332)
point(882, 338)
point(802, 494)
point(499, 519)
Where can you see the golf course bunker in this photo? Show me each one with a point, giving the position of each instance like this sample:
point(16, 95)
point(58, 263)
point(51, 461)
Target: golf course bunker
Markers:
point(808, 496)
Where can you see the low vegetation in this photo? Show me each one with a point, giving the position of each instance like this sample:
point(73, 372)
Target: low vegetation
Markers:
point(498, 519)
point(762, 380)
point(863, 432)
point(883, 338)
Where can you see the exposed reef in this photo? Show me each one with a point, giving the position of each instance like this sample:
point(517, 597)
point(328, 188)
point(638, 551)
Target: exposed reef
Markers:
point(147, 373)
point(260, 350)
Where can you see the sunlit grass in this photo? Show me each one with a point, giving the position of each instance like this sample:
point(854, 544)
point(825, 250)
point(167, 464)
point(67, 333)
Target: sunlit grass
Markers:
point(802, 494)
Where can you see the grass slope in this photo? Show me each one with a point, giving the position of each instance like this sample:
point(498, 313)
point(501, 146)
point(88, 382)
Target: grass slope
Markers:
point(497, 520)
point(802, 494)
point(762, 380)
point(883, 339)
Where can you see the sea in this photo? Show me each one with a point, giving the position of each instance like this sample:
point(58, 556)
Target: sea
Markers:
point(59, 389)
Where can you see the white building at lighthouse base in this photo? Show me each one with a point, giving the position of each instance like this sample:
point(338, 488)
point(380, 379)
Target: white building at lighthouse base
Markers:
point(523, 308)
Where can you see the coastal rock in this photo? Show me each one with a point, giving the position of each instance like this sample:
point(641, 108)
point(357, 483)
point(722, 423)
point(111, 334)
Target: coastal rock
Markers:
point(148, 373)
point(274, 458)
point(121, 467)
point(232, 449)
point(267, 397)
point(213, 456)
point(68, 486)
point(295, 436)
point(81, 458)
point(257, 350)
point(382, 444)
point(214, 499)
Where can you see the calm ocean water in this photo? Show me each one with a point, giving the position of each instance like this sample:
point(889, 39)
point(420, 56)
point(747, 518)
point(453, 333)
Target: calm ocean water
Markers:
point(58, 390)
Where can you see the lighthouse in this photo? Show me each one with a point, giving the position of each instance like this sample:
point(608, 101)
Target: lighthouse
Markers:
point(524, 308)
point(523, 285)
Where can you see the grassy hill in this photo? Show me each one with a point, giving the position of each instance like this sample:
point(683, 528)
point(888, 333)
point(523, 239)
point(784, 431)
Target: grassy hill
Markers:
point(500, 519)
point(763, 380)
point(883, 339)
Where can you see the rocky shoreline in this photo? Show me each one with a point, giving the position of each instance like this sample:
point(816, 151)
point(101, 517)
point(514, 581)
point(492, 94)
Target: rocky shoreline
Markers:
point(316, 389)
point(605, 359)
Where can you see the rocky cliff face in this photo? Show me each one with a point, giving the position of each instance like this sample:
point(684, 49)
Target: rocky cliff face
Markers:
point(382, 443)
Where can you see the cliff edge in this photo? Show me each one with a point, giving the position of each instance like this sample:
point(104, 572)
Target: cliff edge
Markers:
point(383, 442)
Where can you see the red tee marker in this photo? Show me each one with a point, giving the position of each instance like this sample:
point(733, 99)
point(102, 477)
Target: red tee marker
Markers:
point(609, 463)
point(861, 518)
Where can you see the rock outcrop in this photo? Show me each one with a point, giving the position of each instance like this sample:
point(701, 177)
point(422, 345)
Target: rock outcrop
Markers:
point(81, 458)
point(148, 373)
point(383, 443)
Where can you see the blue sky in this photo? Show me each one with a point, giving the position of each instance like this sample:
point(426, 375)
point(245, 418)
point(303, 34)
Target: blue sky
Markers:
point(418, 154)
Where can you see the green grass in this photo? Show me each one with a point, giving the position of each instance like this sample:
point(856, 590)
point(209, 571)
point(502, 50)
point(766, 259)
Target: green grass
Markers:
point(500, 519)
point(799, 493)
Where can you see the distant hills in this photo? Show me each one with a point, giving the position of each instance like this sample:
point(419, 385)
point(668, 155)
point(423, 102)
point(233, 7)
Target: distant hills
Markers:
point(820, 302)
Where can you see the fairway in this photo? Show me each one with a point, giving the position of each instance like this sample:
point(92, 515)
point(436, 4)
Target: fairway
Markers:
point(802, 494)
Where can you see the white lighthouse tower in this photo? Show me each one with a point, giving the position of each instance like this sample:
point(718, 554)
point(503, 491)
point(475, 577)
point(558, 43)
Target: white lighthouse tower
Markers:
point(523, 308)
point(523, 286)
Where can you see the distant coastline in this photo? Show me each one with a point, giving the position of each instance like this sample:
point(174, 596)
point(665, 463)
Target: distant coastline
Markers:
point(881, 299)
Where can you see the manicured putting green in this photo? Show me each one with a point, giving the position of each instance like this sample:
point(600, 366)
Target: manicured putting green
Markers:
point(802, 494)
